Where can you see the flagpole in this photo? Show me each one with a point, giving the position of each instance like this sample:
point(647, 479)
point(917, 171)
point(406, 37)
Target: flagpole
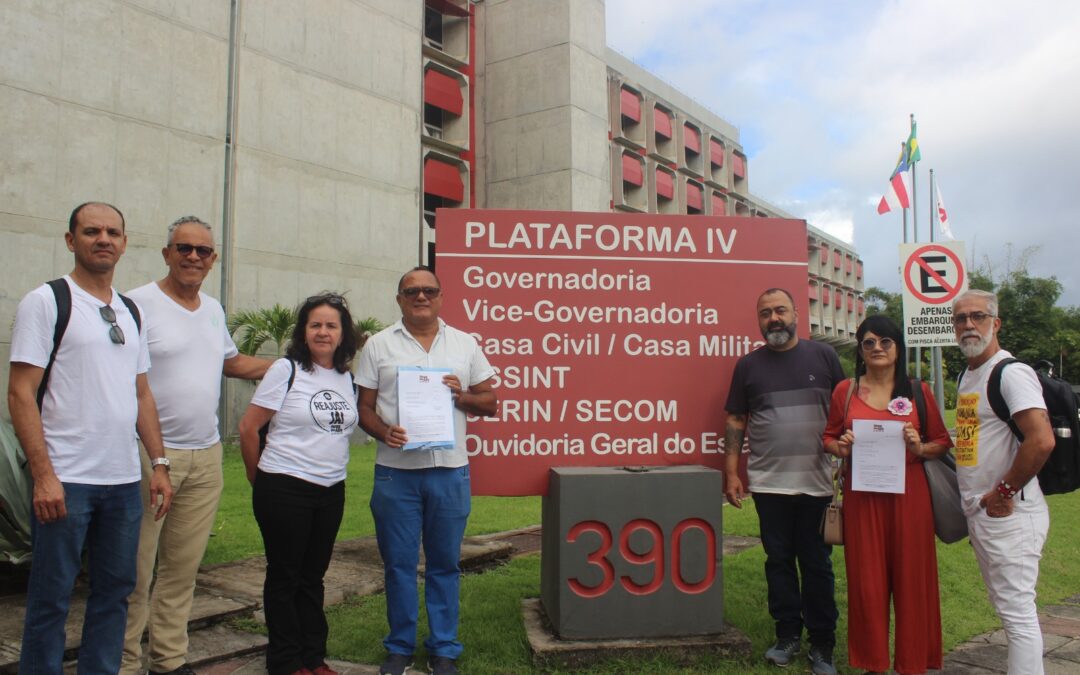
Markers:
point(939, 382)
point(914, 229)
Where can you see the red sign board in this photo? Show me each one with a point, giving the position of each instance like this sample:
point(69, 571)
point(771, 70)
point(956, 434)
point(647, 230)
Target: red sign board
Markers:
point(614, 335)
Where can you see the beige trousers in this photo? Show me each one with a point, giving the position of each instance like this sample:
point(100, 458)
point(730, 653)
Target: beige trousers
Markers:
point(177, 542)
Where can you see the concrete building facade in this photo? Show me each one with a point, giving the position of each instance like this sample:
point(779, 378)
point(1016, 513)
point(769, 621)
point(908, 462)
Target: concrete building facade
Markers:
point(319, 137)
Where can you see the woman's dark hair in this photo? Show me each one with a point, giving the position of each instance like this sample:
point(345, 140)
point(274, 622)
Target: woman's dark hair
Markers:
point(298, 350)
point(883, 327)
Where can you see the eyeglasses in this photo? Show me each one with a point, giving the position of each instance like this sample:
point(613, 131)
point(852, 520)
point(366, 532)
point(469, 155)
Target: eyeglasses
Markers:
point(334, 299)
point(413, 291)
point(203, 252)
point(976, 318)
point(869, 344)
point(109, 317)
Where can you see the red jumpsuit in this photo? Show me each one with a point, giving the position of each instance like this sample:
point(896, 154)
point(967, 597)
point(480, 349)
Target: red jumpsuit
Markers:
point(889, 550)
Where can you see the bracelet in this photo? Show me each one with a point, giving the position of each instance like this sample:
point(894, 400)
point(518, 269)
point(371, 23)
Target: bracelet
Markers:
point(1005, 490)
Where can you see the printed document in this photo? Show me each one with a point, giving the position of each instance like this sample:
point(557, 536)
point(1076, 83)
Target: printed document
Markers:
point(877, 457)
point(425, 408)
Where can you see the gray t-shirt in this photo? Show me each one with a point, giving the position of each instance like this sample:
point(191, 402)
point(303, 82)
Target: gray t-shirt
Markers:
point(786, 394)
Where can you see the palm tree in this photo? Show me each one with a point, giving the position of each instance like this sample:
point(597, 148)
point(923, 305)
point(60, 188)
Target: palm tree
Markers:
point(253, 328)
point(365, 328)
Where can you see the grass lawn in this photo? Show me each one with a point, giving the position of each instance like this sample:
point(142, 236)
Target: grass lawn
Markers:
point(491, 624)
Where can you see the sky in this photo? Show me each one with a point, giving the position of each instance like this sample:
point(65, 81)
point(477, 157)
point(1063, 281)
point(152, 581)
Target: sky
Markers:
point(821, 92)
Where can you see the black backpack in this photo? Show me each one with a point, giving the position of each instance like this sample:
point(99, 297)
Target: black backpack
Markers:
point(1061, 473)
point(62, 292)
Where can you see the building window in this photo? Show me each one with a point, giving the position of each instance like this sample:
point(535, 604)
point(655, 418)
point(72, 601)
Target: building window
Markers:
point(630, 106)
point(719, 205)
point(443, 187)
point(716, 153)
point(665, 185)
point(813, 291)
point(694, 202)
point(433, 27)
point(631, 170)
point(662, 120)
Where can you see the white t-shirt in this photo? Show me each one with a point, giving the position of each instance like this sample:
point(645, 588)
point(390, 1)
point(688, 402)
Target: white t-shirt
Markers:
point(309, 432)
point(385, 351)
point(90, 405)
point(985, 446)
point(188, 349)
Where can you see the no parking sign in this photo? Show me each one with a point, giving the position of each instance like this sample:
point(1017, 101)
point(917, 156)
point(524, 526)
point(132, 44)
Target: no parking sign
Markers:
point(933, 275)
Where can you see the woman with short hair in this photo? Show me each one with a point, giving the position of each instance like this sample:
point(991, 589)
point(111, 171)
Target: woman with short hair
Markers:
point(309, 400)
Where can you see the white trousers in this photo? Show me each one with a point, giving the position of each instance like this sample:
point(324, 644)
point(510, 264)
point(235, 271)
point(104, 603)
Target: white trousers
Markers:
point(1008, 550)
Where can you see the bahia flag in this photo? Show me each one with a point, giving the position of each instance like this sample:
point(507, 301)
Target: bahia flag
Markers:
point(896, 197)
point(943, 217)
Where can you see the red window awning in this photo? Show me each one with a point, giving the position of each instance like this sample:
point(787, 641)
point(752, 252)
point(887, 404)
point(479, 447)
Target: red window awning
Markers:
point(442, 91)
point(836, 259)
point(738, 166)
point(839, 297)
point(858, 269)
point(631, 170)
point(849, 264)
point(862, 307)
point(693, 196)
point(665, 185)
point(691, 138)
point(443, 180)
point(447, 7)
point(716, 152)
point(630, 104)
point(719, 205)
point(813, 291)
point(663, 122)
point(850, 302)
point(824, 254)
point(826, 296)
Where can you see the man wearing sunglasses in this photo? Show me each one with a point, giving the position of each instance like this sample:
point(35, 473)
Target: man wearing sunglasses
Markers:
point(781, 394)
point(999, 487)
point(421, 494)
point(82, 453)
point(190, 348)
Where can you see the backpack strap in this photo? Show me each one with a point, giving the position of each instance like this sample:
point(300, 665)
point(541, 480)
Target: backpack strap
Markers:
point(997, 400)
point(134, 309)
point(292, 374)
point(62, 293)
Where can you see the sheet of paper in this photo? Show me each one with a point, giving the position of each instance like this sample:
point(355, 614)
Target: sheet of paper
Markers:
point(877, 457)
point(425, 408)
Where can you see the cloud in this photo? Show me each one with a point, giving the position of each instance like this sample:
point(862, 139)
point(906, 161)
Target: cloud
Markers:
point(821, 92)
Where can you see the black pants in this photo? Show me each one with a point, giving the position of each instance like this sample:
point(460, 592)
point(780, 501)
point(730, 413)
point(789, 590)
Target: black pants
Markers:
point(790, 534)
point(299, 523)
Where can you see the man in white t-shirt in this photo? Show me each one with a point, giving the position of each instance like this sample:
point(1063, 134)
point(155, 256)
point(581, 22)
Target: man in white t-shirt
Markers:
point(81, 446)
point(421, 494)
point(1006, 512)
point(190, 347)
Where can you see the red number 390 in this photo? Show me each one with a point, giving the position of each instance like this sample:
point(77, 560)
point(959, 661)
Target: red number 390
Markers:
point(654, 557)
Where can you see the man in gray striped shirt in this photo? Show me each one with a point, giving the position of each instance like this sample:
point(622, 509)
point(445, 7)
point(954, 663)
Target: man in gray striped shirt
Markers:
point(781, 393)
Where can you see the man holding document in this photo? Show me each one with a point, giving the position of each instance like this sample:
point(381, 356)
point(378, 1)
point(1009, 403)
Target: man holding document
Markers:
point(418, 380)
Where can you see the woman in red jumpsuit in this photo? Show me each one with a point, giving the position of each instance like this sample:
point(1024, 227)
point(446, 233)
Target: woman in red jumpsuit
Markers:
point(889, 538)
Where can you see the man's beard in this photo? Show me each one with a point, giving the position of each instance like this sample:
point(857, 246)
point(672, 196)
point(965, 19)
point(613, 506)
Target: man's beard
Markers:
point(779, 335)
point(972, 349)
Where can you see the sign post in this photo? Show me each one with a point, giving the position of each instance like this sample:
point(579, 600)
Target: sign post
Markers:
point(933, 275)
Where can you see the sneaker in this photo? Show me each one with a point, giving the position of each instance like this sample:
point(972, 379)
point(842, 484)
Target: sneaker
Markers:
point(182, 670)
point(442, 665)
point(821, 662)
point(396, 664)
point(323, 669)
point(782, 653)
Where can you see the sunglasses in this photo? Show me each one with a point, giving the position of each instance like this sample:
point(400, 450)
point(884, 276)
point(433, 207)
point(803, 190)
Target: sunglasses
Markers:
point(870, 343)
point(203, 252)
point(334, 299)
point(109, 317)
point(976, 318)
point(414, 291)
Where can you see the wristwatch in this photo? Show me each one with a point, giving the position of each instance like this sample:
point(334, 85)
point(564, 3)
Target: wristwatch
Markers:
point(160, 461)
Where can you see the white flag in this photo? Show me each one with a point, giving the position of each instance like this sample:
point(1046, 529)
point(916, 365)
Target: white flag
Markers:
point(942, 215)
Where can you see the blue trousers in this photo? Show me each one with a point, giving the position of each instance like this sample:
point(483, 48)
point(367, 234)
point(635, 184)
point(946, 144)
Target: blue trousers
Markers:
point(791, 534)
point(106, 519)
point(429, 506)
